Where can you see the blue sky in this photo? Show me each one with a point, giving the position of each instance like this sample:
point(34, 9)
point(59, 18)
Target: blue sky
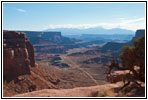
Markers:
point(41, 16)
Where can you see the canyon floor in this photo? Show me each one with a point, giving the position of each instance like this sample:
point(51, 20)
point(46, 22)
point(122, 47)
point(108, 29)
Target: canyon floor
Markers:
point(78, 68)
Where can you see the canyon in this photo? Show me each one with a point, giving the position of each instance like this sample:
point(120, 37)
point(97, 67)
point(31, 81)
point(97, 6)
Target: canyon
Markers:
point(47, 64)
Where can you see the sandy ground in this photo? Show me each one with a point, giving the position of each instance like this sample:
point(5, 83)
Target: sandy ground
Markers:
point(75, 92)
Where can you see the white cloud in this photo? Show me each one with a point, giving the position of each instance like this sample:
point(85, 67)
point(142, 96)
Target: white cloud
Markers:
point(132, 20)
point(133, 24)
point(21, 10)
point(130, 24)
point(80, 26)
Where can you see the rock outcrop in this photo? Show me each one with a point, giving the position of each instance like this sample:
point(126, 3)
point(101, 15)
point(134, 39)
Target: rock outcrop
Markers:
point(139, 33)
point(121, 75)
point(117, 76)
point(18, 54)
point(38, 37)
point(21, 73)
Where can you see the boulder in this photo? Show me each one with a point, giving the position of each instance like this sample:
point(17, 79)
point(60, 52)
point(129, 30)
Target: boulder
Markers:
point(117, 76)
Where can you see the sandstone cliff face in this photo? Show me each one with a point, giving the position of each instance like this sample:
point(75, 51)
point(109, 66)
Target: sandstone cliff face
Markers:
point(18, 55)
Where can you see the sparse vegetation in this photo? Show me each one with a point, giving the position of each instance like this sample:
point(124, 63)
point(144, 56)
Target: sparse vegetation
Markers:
point(133, 57)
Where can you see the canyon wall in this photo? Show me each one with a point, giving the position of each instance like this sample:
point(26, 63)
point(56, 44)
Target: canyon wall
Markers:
point(18, 55)
point(38, 37)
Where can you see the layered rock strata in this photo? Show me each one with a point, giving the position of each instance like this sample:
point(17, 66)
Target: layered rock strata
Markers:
point(18, 54)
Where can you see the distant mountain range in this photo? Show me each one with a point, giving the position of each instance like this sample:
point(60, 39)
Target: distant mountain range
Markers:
point(104, 37)
point(96, 30)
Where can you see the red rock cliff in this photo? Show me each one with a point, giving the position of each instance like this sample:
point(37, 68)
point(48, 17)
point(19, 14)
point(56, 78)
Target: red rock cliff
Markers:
point(18, 54)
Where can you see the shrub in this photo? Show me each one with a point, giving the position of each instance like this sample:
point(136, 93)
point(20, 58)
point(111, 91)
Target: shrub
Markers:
point(135, 56)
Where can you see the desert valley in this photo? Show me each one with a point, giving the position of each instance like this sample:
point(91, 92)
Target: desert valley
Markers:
point(35, 61)
point(74, 49)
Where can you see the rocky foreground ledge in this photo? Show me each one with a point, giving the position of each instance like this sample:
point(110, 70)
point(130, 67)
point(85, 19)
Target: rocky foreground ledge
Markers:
point(102, 90)
point(107, 90)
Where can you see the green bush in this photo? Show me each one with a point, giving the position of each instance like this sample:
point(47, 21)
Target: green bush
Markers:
point(135, 56)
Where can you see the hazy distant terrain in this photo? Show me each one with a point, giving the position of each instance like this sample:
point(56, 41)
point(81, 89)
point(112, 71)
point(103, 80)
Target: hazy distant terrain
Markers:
point(96, 34)
point(96, 30)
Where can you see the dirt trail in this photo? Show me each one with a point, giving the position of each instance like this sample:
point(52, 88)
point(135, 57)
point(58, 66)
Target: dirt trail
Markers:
point(90, 76)
point(72, 64)
point(75, 92)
